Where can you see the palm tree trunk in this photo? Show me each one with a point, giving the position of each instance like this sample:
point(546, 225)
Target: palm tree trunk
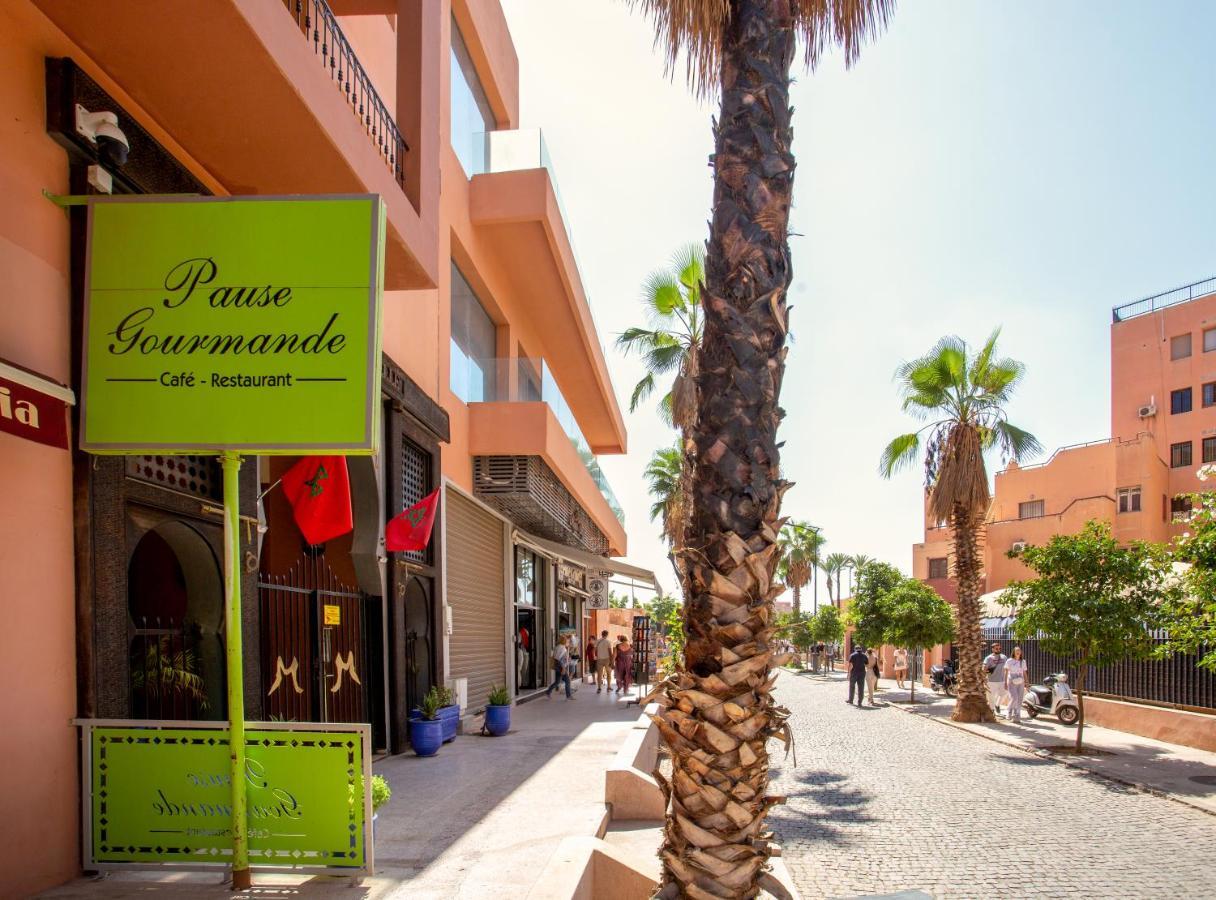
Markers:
point(815, 584)
point(797, 599)
point(972, 705)
point(719, 713)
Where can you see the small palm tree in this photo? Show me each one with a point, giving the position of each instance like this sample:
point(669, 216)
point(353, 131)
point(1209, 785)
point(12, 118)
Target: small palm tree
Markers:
point(835, 565)
point(962, 399)
point(664, 476)
point(855, 567)
point(718, 712)
point(672, 299)
point(800, 544)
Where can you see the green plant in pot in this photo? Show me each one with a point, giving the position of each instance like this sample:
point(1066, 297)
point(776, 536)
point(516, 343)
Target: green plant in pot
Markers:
point(498, 712)
point(426, 730)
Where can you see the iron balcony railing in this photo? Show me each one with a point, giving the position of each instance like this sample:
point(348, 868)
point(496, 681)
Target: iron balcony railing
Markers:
point(1187, 292)
point(321, 29)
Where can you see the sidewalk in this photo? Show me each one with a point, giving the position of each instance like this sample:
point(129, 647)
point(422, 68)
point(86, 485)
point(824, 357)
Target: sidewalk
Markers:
point(1180, 773)
point(480, 819)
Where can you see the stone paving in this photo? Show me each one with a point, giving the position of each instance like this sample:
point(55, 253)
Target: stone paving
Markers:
point(882, 802)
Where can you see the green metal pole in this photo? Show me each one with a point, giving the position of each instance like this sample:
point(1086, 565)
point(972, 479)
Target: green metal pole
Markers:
point(236, 681)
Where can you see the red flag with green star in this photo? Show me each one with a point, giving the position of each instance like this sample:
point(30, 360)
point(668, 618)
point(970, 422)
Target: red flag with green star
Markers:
point(411, 529)
point(318, 488)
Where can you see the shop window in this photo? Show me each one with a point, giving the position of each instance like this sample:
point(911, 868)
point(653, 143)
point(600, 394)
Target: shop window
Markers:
point(1180, 401)
point(1180, 455)
point(1031, 509)
point(939, 567)
point(471, 113)
point(1129, 500)
point(1180, 509)
point(473, 372)
point(1180, 346)
point(1209, 449)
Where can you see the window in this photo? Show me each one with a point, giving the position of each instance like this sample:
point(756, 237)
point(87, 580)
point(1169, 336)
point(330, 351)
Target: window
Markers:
point(1180, 401)
point(1209, 394)
point(1180, 509)
point(1031, 509)
point(1180, 346)
point(471, 114)
point(1209, 449)
point(1129, 500)
point(939, 568)
point(1180, 455)
point(473, 376)
point(1209, 340)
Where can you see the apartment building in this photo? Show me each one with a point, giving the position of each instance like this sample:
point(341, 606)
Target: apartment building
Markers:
point(495, 388)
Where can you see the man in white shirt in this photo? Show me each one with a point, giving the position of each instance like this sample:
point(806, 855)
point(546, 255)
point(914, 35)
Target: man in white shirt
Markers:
point(994, 665)
point(603, 662)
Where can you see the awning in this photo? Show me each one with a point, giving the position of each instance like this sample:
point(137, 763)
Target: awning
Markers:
point(587, 560)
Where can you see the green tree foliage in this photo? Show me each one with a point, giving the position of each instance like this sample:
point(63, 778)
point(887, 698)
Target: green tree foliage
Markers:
point(868, 610)
point(1190, 613)
point(916, 617)
point(664, 480)
point(1092, 599)
point(660, 609)
point(827, 626)
point(800, 544)
point(794, 627)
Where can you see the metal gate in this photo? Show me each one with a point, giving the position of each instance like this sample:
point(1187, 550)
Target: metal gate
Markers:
point(313, 651)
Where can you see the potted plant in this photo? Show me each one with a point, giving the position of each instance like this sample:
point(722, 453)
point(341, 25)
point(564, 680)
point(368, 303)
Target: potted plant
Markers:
point(381, 793)
point(426, 729)
point(498, 712)
point(449, 712)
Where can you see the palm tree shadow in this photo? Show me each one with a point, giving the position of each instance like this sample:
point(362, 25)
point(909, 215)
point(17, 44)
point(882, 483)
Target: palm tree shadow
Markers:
point(821, 809)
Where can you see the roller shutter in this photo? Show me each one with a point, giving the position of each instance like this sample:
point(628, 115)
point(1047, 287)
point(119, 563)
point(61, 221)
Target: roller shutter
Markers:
point(477, 646)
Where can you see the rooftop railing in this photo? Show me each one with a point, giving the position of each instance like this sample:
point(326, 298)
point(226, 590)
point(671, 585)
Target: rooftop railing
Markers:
point(320, 28)
point(1184, 294)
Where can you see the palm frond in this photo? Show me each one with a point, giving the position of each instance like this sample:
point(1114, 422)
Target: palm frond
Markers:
point(641, 391)
point(661, 294)
point(899, 454)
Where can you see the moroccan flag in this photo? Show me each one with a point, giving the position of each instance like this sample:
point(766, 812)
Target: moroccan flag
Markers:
point(411, 530)
point(318, 488)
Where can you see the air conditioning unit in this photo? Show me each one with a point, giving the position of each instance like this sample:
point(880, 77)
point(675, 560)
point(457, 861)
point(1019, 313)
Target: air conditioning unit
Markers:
point(1149, 410)
point(1018, 547)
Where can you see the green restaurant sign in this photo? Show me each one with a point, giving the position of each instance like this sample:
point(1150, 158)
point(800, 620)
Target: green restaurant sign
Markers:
point(162, 794)
point(247, 325)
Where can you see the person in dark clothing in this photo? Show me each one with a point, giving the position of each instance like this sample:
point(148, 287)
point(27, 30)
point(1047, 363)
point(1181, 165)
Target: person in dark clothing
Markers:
point(858, 662)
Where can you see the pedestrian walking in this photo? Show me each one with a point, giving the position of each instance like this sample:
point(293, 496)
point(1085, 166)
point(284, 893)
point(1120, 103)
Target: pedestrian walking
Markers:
point(858, 663)
point(871, 674)
point(1015, 683)
point(817, 658)
point(560, 660)
point(901, 666)
point(623, 664)
point(589, 656)
point(603, 662)
point(994, 665)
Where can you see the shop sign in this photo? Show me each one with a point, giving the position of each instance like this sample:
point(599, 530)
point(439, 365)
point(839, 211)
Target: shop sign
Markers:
point(163, 795)
point(239, 324)
point(33, 408)
point(597, 590)
point(333, 614)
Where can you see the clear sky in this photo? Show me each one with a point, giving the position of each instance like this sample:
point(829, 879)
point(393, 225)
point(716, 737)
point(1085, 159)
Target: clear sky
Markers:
point(1028, 165)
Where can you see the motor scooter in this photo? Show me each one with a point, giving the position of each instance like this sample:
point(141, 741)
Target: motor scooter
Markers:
point(943, 678)
point(1053, 696)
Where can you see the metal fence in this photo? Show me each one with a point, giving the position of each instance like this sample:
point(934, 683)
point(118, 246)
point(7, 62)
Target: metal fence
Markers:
point(1182, 294)
point(1172, 681)
point(167, 680)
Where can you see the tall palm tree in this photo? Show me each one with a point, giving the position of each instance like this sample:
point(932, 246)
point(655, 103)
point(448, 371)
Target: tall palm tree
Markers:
point(835, 565)
point(672, 300)
point(664, 481)
point(718, 711)
point(961, 397)
point(800, 543)
point(855, 567)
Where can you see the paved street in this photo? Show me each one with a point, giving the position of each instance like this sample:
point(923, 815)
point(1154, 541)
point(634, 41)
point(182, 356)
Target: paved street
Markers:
point(882, 801)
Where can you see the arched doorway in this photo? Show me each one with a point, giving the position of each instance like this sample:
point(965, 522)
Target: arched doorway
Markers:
point(416, 629)
point(175, 608)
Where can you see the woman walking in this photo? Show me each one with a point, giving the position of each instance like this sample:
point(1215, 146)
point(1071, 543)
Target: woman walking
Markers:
point(871, 674)
point(560, 660)
point(623, 658)
point(901, 666)
point(1015, 684)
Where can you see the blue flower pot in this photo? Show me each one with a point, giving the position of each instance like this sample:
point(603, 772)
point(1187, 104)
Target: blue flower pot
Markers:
point(426, 735)
point(498, 720)
point(450, 716)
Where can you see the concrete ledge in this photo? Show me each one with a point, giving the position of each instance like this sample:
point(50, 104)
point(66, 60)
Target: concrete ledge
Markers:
point(587, 868)
point(630, 789)
point(1174, 726)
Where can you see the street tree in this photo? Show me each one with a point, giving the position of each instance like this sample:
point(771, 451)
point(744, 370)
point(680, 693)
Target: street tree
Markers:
point(867, 613)
point(800, 544)
point(1190, 612)
point(916, 617)
point(1093, 600)
point(962, 397)
point(719, 713)
point(795, 628)
point(835, 565)
point(827, 626)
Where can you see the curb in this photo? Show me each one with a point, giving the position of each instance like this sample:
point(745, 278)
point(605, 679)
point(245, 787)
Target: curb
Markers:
point(1043, 754)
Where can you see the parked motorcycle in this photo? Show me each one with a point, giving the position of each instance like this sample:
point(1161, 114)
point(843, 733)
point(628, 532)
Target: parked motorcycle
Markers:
point(943, 679)
point(1054, 697)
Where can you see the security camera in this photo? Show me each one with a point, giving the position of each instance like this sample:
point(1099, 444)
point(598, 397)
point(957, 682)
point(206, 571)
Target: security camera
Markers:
point(102, 129)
